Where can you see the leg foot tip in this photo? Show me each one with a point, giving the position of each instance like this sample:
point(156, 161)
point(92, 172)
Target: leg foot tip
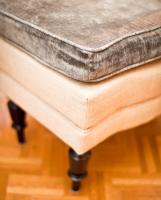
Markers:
point(76, 186)
point(22, 142)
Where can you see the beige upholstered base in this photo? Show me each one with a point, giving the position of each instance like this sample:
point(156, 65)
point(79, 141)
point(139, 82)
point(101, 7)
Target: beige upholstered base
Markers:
point(82, 115)
point(79, 139)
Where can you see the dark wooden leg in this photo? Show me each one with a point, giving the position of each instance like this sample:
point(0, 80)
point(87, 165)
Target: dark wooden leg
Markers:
point(78, 168)
point(18, 120)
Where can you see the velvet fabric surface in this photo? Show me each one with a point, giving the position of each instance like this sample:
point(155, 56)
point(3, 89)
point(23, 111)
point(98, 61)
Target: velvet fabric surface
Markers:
point(85, 40)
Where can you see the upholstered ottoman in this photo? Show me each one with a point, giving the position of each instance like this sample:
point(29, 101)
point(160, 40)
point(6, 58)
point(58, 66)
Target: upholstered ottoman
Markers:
point(85, 70)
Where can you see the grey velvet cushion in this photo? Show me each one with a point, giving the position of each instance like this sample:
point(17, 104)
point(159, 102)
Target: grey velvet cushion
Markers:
point(85, 40)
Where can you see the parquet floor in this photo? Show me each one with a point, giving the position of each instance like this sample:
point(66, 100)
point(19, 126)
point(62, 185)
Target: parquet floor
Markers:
point(127, 166)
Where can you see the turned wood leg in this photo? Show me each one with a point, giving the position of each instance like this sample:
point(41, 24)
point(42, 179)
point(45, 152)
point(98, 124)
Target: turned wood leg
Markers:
point(18, 120)
point(78, 168)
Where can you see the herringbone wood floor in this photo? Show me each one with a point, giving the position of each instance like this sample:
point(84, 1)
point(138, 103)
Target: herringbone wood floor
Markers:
point(127, 166)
